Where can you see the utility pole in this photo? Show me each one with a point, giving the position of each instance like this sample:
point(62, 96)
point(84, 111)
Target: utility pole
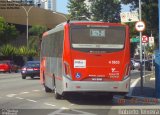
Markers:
point(140, 36)
point(157, 61)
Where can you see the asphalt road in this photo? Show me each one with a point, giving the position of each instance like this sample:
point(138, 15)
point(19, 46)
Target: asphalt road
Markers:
point(22, 95)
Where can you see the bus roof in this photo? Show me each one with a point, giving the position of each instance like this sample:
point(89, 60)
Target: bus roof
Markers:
point(61, 25)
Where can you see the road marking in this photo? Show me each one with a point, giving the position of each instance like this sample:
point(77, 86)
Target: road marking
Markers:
point(134, 83)
point(24, 92)
point(49, 104)
point(75, 112)
point(36, 90)
point(71, 104)
point(153, 78)
point(11, 95)
point(19, 98)
point(31, 100)
point(64, 108)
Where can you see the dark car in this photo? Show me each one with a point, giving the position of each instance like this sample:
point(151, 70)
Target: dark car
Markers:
point(8, 66)
point(148, 65)
point(31, 69)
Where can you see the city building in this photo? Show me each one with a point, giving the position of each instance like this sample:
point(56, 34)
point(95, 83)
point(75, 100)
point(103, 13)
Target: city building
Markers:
point(49, 5)
point(46, 4)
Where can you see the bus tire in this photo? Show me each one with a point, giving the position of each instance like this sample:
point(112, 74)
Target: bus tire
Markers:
point(110, 96)
point(57, 96)
point(23, 77)
point(9, 71)
point(47, 90)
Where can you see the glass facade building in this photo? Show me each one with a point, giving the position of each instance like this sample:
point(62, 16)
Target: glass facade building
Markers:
point(46, 4)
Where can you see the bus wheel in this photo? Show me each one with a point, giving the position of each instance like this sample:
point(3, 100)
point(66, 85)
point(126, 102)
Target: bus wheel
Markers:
point(9, 71)
point(57, 96)
point(23, 77)
point(47, 90)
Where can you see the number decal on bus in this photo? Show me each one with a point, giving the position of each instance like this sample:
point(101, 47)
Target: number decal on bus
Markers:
point(114, 62)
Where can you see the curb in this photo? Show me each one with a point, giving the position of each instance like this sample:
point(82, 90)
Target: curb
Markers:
point(137, 80)
point(135, 100)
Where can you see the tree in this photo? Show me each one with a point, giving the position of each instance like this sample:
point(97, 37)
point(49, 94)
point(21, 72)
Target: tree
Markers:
point(36, 32)
point(106, 10)
point(149, 14)
point(7, 31)
point(78, 10)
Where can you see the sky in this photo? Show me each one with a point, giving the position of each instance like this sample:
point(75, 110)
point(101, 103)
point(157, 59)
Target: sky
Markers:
point(62, 7)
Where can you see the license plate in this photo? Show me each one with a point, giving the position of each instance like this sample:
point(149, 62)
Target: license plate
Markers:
point(97, 79)
point(29, 69)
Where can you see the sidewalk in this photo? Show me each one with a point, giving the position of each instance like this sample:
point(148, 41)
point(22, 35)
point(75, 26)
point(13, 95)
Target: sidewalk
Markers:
point(148, 87)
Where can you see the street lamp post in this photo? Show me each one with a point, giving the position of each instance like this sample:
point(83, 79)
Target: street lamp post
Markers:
point(27, 14)
point(140, 36)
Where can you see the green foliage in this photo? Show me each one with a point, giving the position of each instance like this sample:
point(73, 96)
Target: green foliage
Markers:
point(150, 49)
point(106, 10)
point(35, 36)
point(7, 31)
point(34, 42)
point(37, 30)
point(99, 10)
point(149, 14)
point(78, 10)
point(7, 50)
point(24, 51)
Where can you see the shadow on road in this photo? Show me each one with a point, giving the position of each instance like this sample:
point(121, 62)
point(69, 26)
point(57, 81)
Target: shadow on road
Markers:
point(89, 99)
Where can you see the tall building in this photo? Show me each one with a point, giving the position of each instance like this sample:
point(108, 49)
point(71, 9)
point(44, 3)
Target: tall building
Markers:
point(50, 5)
point(46, 4)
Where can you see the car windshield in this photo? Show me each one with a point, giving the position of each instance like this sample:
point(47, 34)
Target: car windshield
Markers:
point(33, 64)
point(3, 62)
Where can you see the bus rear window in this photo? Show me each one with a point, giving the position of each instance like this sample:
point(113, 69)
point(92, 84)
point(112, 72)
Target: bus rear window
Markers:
point(97, 37)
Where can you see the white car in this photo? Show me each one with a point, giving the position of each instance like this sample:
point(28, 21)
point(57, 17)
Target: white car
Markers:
point(135, 64)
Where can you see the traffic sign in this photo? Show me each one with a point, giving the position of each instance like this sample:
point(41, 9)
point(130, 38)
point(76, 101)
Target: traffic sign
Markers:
point(134, 40)
point(144, 39)
point(140, 26)
point(129, 16)
point(151, 41)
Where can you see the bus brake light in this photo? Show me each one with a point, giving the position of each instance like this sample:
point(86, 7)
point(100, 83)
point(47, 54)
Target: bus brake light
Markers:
point(127, 71)
point(67, 70)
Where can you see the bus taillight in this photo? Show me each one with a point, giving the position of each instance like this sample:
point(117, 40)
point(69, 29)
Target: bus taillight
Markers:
point(67, 70)
point(127, 71)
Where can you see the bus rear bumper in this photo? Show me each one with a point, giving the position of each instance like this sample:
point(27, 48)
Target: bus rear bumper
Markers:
point(90, 86)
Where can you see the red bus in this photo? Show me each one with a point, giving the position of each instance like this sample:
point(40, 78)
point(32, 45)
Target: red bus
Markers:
point(81, 56)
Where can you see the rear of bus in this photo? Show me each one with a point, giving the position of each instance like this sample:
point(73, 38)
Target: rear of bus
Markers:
point(96, 57)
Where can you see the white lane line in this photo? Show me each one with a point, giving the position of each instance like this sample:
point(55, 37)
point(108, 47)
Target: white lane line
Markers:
point(35, 90)
point(31, 100)
point(24, 92)
point(153, 78)
point(11, 95)
point(19, 98)
point(64, 108)
point(50, 104)
point(71, 104)
point(134, 83)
